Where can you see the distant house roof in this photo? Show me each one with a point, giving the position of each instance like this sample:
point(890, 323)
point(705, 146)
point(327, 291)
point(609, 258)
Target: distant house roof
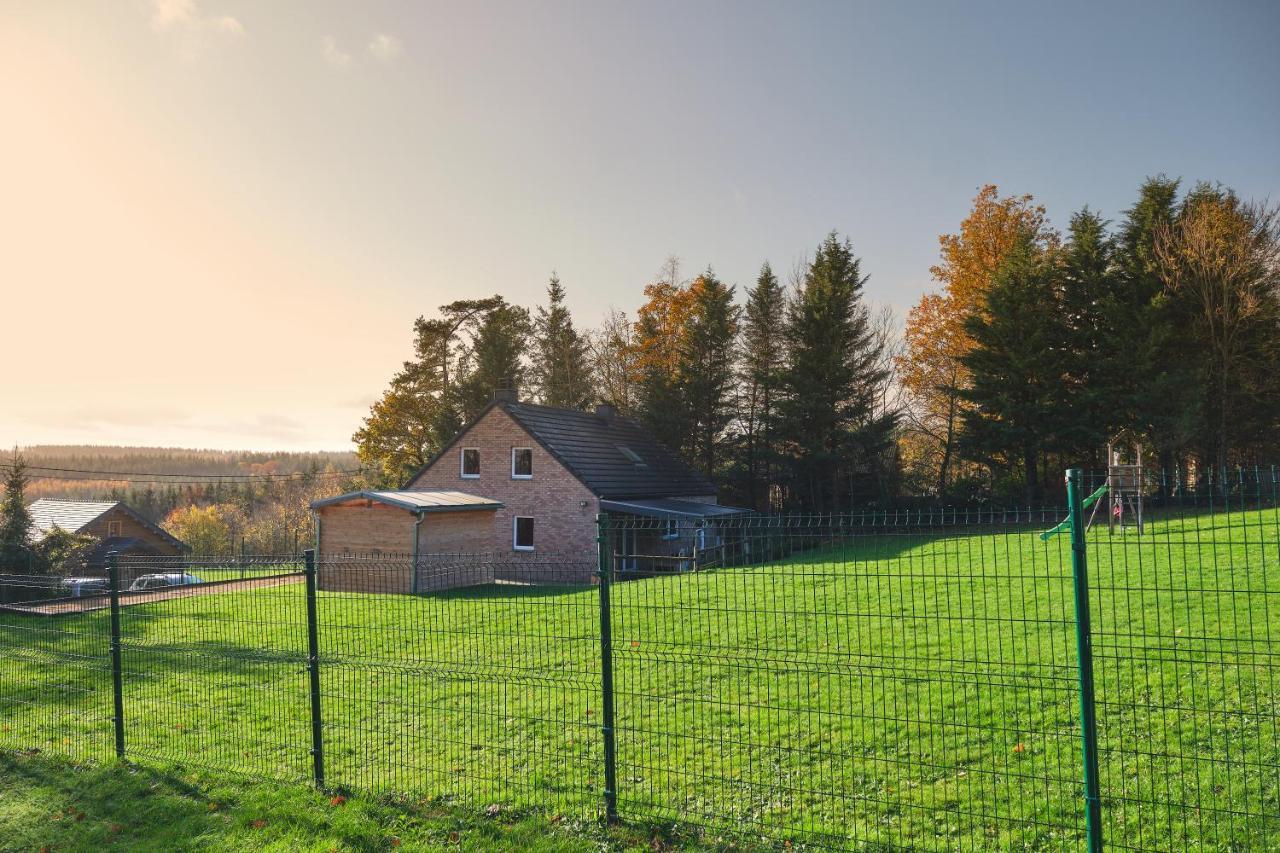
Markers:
point(416, 501)
point(74, 516)
point(613, 455)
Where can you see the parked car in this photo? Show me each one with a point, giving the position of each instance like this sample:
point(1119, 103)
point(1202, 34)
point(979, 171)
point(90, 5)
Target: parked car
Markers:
point(161, 580)
point(77, 587)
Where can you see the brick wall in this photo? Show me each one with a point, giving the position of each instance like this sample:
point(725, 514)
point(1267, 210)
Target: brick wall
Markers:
point(563, 509)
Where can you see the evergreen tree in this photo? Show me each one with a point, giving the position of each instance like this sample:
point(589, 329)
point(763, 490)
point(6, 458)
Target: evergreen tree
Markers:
point(560, 370)
point(15, 519)
point(1016, 367)
point(705, 368)
point(832, 381)
point(760, 375)
point(1156, 370)
point(1093, 378)
point(495, 359)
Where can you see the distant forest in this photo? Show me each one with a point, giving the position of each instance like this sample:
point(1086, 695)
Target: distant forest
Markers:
point(219, 502)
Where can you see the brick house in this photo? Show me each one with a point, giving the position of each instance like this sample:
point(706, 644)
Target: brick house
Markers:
point(541, 474)
point(116, 525)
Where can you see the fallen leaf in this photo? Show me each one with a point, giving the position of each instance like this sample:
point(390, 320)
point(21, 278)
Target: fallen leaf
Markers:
point(1021, 747)
point(338, 800)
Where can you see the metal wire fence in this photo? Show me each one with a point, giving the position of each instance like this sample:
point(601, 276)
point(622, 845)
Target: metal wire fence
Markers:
point(937, 680)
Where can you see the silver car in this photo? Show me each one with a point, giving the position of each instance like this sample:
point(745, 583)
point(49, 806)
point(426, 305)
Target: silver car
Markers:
point(162, 580)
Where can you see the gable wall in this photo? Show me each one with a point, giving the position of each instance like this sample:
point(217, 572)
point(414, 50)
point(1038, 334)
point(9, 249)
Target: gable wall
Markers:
point(130, 527)
point(563, 509)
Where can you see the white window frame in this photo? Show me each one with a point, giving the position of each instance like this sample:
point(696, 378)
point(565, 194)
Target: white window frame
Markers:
point(462, 464)
point(516, 476)
point(515, 533)
point(670, 528)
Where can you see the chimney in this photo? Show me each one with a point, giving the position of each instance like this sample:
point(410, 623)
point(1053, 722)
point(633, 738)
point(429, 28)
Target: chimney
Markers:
point(606, 412)
point(506, 395)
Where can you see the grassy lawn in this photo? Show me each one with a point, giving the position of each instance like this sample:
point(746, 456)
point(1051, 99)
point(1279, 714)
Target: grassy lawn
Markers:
point(51, 805)
point(883, 691)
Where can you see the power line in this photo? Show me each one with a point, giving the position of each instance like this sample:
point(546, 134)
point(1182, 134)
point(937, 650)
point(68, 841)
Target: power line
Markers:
point(202, 478)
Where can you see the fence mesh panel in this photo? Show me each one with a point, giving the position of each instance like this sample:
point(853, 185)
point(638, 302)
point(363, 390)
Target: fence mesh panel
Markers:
point(891, 679)
point(214, 672)
point(55, 673)
point(483, 688)
point(1186, 640)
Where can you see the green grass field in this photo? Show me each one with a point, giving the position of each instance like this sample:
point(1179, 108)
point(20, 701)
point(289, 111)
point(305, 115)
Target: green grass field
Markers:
point(880, 691)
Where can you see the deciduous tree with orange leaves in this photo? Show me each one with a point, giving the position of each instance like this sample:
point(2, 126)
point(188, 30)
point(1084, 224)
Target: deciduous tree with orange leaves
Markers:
point(935, 338)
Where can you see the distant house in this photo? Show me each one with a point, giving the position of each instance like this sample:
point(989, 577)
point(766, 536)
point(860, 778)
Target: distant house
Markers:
point(114, 524)
point(523, 483)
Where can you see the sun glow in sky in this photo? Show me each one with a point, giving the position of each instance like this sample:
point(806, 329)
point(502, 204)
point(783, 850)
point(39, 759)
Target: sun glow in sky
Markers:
point(218, 220)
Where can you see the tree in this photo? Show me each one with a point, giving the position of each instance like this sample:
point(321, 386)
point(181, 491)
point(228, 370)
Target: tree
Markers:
point(658, 341)
point(421, 410)
point(1092, 375)
point(613, 356)
point(1221, 258)
point(495, 358)
point(560, 369)
point(15, 518)
point(204, 529)
point(61, 551)
point(705, 368)
point(832, 381)
point(1015, 366)
point(760, 375)
point(936, 337)
point(1156, 371)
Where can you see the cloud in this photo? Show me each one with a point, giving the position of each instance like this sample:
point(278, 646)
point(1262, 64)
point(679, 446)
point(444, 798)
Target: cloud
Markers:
point(184, 16)
point(386, 48)
point(333, 54)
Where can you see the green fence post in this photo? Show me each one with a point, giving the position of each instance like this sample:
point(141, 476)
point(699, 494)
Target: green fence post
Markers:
point(1084, 655)
point(313, 669)
point(606, 669)
point(117, 668)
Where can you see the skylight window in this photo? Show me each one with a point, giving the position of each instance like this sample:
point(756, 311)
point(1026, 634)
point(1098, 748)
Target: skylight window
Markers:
point(633, 456)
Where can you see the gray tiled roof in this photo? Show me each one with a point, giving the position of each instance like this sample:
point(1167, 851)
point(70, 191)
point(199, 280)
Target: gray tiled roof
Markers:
point(590, 446)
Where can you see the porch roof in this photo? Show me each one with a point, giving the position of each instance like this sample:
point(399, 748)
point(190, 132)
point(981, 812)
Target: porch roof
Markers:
point(672, 508)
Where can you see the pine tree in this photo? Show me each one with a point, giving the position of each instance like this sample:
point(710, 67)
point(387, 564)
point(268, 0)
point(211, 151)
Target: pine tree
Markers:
point(705, 368)
point(421, 409)
point(15, 519)
point(495, 359)
point(560, 371)
point(760, 375)
point(1093, 377)
point(1016, 367)
point(832, 380)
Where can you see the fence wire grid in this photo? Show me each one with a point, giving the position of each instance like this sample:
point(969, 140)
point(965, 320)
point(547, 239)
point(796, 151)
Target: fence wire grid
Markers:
point(881, 680)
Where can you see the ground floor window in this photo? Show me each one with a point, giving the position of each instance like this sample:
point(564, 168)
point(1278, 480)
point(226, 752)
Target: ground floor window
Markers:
point(522, 533)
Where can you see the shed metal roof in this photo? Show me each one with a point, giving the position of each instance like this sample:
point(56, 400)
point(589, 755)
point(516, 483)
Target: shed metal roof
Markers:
point(417, 501)
point(670, 508)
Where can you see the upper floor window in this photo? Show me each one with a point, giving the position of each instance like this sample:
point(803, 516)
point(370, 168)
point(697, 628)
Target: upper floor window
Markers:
point(521, 463)
point(113, 529)
point(470, 462)
point(632, 456)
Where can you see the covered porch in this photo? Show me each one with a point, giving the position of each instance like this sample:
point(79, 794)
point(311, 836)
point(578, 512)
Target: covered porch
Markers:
point(666, 535)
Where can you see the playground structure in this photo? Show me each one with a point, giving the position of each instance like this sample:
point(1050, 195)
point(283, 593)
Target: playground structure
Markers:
point(1123, 487)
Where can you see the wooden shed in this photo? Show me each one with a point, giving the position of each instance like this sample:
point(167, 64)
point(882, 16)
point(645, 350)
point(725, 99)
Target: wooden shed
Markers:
point(403, 541)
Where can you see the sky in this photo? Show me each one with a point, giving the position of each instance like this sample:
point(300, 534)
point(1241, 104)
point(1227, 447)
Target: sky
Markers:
point(219, 219)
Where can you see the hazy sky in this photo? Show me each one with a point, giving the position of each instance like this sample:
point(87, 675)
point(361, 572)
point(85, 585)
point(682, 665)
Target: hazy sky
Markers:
point(218, 219)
